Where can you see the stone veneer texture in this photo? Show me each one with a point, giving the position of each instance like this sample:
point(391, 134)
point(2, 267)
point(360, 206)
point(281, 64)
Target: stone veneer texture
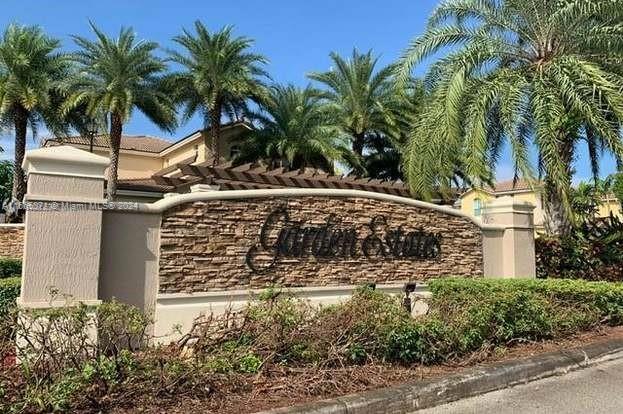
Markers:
point(11, 241)
point(204, 244)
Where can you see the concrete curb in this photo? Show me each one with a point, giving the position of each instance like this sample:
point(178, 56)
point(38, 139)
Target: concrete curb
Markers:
point(410, 397)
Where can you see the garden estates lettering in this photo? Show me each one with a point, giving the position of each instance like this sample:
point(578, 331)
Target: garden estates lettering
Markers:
point(280, 237)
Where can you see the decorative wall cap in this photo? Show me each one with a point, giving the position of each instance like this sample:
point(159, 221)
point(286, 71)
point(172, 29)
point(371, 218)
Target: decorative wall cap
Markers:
point(56, 303)
point(12, 225)
point(64, 160)
point(170, 202)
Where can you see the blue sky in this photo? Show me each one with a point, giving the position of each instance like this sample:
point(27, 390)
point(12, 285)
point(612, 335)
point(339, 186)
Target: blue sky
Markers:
point(295, 35)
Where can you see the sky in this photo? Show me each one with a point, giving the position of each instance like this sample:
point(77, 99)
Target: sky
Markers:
point(296, 36)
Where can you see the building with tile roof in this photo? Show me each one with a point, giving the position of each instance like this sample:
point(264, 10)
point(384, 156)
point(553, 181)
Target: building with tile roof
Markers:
point(475, 201)
point(141, 156)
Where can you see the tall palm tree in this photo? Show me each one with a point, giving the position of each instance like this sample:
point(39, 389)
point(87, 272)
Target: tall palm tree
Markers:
point(523, 72)
point(296, 129)
point(115, 77)
point(31, 67)
point(359, 96)
point(219, 76)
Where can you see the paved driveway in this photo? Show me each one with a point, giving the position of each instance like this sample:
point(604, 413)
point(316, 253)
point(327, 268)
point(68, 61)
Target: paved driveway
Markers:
point(595, 390)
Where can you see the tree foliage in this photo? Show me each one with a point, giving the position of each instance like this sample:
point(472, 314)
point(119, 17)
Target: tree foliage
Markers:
point(361, 99)
point(6, 182)
point(521, 72)
point(219, 76)
point(617, 186)
point(31, 67)
point(115, 76)
point(296, 128)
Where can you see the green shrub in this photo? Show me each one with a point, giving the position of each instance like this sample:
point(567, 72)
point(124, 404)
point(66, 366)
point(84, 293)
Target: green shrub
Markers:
point(280, 333)
point(496, 312)
point(9, 291)
point(10, 267)
point(592, 251)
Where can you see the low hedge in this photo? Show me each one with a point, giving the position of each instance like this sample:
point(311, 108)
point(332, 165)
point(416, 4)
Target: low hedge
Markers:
point(10, 267)
point(497, 312)
point(9, 291)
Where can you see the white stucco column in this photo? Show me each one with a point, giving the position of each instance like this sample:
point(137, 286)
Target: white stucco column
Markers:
point(510, 253)
point(63, 226)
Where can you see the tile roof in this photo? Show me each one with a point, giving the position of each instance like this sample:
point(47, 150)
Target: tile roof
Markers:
point(141, 143)
point(510, 185)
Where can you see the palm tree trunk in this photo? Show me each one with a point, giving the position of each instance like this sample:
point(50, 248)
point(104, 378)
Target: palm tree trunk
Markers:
point(215, 124)
point(558, 220)
point(21, 125)
point(116, 129)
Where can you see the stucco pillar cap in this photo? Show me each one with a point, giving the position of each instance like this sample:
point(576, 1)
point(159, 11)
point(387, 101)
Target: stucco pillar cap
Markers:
point(64, 160)
point(508, 204)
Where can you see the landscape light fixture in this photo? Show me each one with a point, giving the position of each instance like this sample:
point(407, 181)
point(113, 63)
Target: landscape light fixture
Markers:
point(406, 302)
point(91, 129)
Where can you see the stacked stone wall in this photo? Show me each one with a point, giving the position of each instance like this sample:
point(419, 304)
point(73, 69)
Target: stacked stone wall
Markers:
point(11, 241)
point(204, 246)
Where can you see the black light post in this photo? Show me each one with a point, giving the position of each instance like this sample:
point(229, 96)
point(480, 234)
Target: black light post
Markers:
point(91, 131)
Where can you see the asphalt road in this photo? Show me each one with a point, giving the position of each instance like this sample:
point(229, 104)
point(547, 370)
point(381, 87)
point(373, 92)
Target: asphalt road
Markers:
point(596, 390)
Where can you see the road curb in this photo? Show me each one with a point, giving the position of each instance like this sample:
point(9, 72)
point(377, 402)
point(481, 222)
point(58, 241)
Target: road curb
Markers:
point(409, 397)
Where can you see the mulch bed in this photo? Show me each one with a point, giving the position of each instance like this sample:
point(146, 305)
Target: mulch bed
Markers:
point(282, 387)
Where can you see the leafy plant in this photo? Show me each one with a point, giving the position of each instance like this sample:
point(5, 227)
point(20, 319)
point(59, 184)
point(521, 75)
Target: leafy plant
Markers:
point(10, 267)
point(219, 76)
point(521, 73)
point(31, 69)
point(296, 131)
point(360, 98)
point(617, 187)
point(114, 77)
point(64, 370)
point(593, 251)
point(6, 182)
point(9, 291)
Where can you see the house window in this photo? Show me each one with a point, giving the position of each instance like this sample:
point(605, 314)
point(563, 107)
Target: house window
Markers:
point(234, 151)
point(477, 207)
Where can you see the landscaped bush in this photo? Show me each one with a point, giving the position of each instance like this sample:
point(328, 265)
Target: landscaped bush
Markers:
point(279, 334)
point(497, 312)
point(10, 267)
point(593, 251)
point(9, 291)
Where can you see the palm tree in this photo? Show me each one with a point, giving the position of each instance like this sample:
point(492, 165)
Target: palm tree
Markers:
point(359, 96)
point(296, 129)
point(383, 159)
point(6, 182)
point(114, 77)
point(617, 186)
point(30, 70)
point(219, 77)
point(523, 72)
point(586, 198)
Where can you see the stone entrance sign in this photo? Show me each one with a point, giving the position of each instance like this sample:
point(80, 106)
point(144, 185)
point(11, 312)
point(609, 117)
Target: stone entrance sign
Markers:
point(205, 251)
